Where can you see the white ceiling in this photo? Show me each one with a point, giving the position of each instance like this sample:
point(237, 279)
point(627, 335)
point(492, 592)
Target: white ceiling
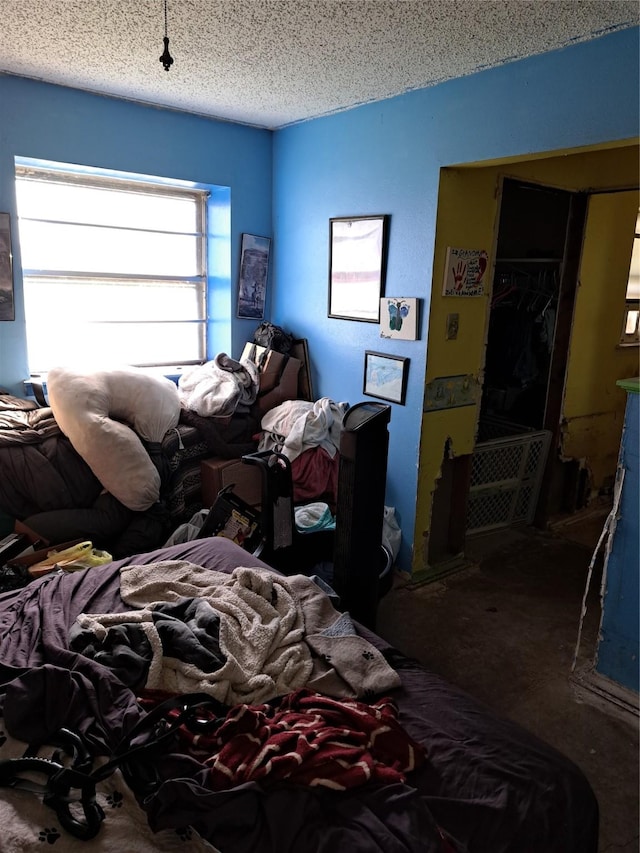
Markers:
point(271, 63)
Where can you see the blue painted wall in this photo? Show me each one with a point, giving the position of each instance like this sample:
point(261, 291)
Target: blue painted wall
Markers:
point(619, 648)
point(385, 158)
point(378, 158)
point(54, 123)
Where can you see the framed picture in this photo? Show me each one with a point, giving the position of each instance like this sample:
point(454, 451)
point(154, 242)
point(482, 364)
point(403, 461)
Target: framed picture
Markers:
point(252, 283)
point(399, 318)
point(357, 266)
point(7, 306)
point(385, 376)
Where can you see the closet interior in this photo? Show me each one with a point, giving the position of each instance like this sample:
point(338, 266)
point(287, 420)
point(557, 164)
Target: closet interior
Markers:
point(529, 253)
point(513, 438)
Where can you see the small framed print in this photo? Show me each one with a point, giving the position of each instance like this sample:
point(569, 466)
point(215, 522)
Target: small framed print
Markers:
point(385, 376)
point(252, 283)
point(399, 318)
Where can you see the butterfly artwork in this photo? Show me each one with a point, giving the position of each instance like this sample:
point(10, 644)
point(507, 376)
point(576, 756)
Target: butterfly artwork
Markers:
point(397, 312)
point(399, 318)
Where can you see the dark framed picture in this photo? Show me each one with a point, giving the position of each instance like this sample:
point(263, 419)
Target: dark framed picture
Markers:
point(385, 376)
point(7, 305)
point(357, 266)
point(252, 282)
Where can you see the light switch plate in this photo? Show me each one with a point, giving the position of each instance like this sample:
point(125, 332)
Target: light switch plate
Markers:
point(453, 323)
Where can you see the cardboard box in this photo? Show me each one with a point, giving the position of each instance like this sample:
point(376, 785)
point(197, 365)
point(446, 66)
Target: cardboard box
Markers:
point(271, 371)
point(216, 474)
point(274, 367)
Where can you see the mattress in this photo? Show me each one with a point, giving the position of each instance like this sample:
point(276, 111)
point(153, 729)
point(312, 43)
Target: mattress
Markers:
point(482, 784)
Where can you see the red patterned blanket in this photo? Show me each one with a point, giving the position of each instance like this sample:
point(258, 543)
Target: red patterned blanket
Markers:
point(308, 739)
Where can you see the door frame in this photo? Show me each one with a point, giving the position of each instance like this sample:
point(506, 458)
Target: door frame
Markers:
point(468, 199)
point(553, 474)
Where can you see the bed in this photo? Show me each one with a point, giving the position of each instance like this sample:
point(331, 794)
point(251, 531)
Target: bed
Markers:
point(403, 761)
point(46, 484)
point(71, 470)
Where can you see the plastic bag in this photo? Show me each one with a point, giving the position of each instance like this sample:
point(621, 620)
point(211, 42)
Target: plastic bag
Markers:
point(188, 531)
point(80, 556)
point(391, 533)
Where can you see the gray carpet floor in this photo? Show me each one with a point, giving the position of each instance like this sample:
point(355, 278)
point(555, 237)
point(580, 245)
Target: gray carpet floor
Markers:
point(505, 630)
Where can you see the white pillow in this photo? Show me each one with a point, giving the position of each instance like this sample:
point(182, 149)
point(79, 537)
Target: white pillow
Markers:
point(103, 413)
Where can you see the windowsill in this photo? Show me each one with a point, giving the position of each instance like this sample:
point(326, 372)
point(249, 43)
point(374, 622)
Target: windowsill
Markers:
point(170, 372)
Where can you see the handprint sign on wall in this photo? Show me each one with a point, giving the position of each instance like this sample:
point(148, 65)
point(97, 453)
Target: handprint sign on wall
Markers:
point(465, 272)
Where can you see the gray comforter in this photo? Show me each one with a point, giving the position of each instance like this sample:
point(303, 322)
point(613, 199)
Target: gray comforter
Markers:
point(39, 469)
point(486, 784)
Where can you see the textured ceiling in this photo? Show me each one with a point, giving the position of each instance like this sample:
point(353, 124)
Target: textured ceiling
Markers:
point(271, 63)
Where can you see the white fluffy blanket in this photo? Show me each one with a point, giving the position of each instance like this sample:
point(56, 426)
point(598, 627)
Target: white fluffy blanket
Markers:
point(105, 413)
point(219, 387)
point(277, 633)
point(297, 425)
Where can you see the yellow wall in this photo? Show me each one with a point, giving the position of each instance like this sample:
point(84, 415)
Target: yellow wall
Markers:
point(467, 217)
point(467, 208)
point(594, 405)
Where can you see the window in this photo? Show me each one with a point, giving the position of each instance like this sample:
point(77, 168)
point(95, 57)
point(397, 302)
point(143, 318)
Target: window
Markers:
point(114, 270)
point(630, 334)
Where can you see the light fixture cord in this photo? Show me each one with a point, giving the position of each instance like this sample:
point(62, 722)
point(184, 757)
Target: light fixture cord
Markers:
point(166, 59)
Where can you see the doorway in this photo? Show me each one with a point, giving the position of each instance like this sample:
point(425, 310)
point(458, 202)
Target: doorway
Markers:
point(530, 250)
point(510, 476)
point(521, 210)
point(519, 411)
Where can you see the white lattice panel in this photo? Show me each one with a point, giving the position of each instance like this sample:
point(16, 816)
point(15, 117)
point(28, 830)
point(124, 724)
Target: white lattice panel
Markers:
point(505, 480)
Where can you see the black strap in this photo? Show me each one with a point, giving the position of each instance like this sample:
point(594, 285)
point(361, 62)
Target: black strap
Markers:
point(37, 383)
point(162, 730)
point(56, 792)
point(61, 781)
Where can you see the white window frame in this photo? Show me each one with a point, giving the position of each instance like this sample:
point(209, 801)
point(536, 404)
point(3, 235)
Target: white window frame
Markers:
point(144, 185)
point(630, 335)
point(631, 319)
